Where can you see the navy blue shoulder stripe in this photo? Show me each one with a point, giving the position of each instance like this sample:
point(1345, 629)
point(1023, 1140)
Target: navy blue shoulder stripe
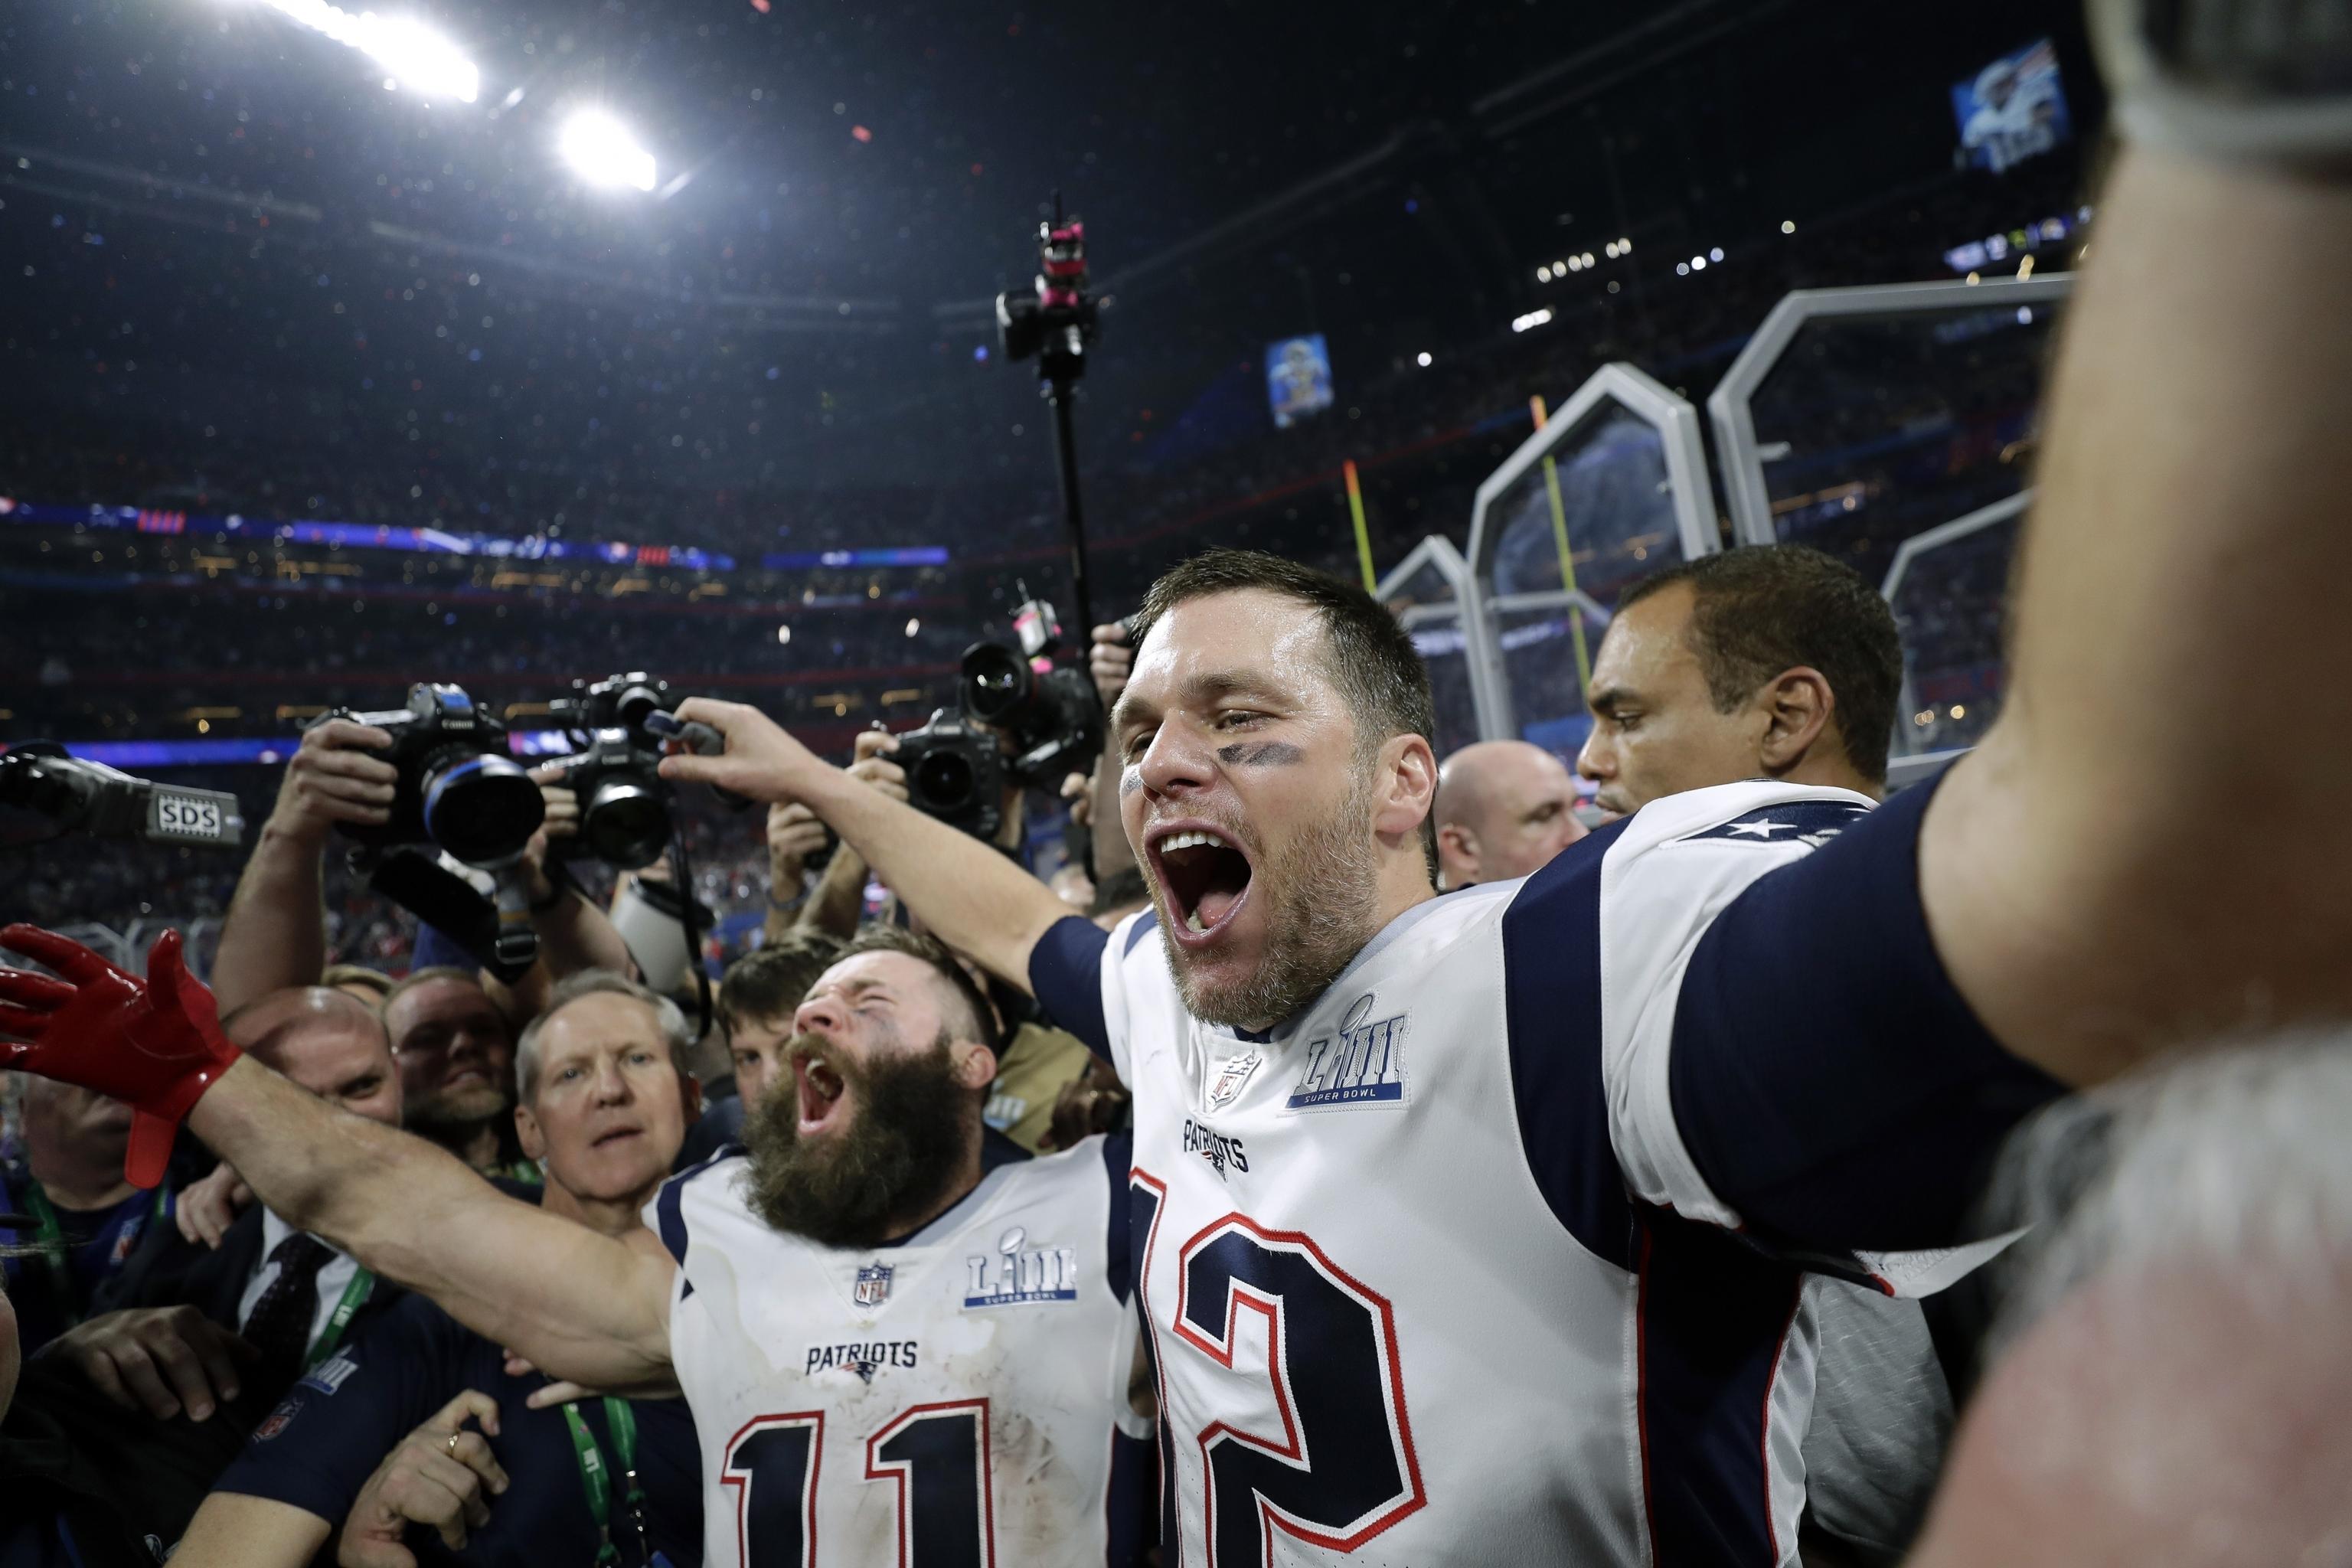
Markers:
point(1551, 999)
point(1065, 976)
point(1140, 930)
point(669, 1207)
point(1119, 1164)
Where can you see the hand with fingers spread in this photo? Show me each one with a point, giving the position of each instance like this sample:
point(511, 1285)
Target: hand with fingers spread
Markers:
point(206, 1208)
point(334, 778)
point(155, 1043)
point(162, 1360)
point(760, 762)
point(1109, 661)
point(440, 1475)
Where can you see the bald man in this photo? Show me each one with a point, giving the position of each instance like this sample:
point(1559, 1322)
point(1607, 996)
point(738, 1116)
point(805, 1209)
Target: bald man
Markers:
point(182, 1337)
point(1504, 809)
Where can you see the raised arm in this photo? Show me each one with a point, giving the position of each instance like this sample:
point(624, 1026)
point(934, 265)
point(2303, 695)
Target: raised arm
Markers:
point(274, 935)
point(971, 897)
point(2152, 844)
point(583, 1305)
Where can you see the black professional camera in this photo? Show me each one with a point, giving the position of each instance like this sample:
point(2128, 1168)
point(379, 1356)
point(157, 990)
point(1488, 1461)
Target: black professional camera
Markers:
point(457, 788)
point(1052, 717)
point(37, 776)
point(955, 772)
point(625, 818)
point(1057, 318)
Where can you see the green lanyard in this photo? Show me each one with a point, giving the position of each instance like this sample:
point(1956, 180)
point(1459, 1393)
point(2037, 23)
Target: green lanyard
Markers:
point(58, 1254)
point(598, 1482)
point(353, 1297)
point(526, 1172)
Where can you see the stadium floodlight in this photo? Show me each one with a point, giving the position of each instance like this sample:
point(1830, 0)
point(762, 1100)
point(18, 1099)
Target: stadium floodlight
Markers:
point(1788, 225)
point(1715, 254)
point(414, 55)
point(1624, 248)
point(1422, 358)
point(601, 152)
point(1532, 319)
point(1543, 274)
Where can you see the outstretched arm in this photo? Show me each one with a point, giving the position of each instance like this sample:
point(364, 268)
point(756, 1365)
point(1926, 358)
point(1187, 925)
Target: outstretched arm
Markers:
point(2150, 845)
point(584, 1306)
point(971, 897)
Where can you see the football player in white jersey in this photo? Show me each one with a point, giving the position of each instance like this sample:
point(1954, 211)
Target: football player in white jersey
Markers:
point(902, 1337)
point(1469, 1229)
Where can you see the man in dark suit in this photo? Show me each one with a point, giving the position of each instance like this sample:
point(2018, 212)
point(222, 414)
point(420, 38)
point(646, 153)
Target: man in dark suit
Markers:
point(198, 1329)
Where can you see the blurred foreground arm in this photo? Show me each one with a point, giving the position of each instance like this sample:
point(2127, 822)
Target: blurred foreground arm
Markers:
point(2152, 843)
point(970, 895)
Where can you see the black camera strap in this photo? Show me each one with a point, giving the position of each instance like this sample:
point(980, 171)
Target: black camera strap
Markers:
point(495, 932)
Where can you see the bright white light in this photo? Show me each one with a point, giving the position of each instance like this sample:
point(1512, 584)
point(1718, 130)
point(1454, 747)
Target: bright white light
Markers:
point(1610, 249)
point(1588, 259)
point(1698, 264)
point(1624, 248)
point(1543, 274)
point(1681, 268)
point(1716, 255)
point(1532, 319)
point(601, 150)
point(914, 625)
point(1788, 225)
point(1575, 264)
point(1558, 266)
point(414, 55)
point(1423, 357)
point(2025, 315)
point(783, 634)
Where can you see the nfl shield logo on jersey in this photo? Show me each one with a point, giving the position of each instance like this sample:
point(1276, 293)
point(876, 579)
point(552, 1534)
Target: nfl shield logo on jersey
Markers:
point(1227, 1084)
point(873, 1285)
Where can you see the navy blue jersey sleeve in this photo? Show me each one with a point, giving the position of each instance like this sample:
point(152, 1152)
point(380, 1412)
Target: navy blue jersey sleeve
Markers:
point(1827, 1078)
point(318, 1447)
point(1065, 976)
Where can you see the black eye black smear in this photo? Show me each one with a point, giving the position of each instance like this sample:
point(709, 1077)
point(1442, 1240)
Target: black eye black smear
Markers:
point(1265, 754)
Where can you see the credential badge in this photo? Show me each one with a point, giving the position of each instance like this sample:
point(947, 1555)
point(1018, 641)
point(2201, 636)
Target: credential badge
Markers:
point(873, 1286)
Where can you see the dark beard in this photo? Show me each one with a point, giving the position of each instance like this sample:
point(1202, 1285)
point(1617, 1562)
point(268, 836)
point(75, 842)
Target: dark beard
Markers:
point(1323, 898)
point(461, 1134)
point(909, 1137)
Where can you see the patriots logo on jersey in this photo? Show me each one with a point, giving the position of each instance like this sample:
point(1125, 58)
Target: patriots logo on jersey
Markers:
point(1020, 1273)
point(1808, 822)
point(1361, 1063)
point(864, 1357)
point(873, 1287)
point(1220, 1151)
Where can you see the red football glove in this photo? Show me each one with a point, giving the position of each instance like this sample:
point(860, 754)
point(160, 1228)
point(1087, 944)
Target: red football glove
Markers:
point(154, 1043)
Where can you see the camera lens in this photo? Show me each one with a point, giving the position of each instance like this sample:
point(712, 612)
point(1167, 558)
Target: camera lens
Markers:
point(996, 682)
point(481, 808)
point(943, 781)
point(626, 823)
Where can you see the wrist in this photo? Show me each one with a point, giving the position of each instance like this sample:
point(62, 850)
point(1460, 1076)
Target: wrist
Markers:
point(293, 831)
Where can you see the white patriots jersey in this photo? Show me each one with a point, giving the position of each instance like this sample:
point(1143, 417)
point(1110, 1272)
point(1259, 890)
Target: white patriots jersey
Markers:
point(954, 1401)
point(1429, 1275)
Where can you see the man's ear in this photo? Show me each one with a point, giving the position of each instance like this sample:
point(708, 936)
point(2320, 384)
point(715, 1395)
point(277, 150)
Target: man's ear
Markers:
point(1408, 786)
point(1798, 706)
point(974, 1064)
point(1456, 845)
point(529, 1134)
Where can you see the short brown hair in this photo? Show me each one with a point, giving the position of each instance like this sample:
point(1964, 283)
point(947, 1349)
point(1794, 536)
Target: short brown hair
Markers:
point(1371, 657)
point(1763, 609)
point(765, 985)
point(880, 938)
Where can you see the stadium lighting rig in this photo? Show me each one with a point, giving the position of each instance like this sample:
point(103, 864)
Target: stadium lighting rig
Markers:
point(413, 54)
point(601, 151)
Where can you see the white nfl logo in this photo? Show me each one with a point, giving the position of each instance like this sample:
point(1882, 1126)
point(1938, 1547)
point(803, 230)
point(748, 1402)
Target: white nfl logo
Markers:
point(873, 1285)
point(1227, 1084)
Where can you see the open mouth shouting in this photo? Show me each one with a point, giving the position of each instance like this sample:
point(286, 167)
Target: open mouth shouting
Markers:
point(1204, 875)
point(823, 1092)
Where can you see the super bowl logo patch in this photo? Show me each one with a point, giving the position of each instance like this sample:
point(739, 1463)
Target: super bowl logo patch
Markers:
point(1361, 1063)
point(1021, 1273)
point(873, 1287)
point(331, 1375)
